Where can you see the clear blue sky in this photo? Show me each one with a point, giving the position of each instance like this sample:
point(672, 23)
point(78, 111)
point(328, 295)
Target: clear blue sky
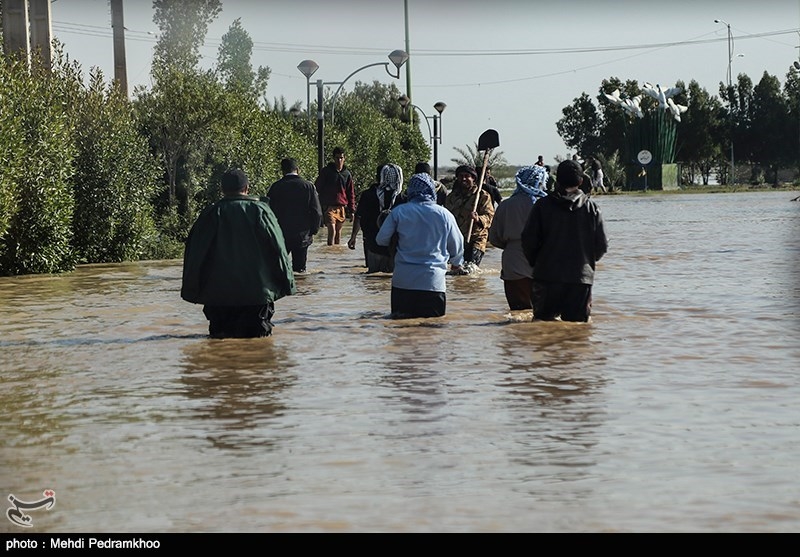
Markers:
point(510, 65)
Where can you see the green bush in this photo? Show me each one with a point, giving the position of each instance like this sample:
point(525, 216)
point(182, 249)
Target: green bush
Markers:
point(115, 178)
point(38, 236)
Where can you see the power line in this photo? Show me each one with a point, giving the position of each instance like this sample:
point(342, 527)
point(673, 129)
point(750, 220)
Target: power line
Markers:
point(100, 31)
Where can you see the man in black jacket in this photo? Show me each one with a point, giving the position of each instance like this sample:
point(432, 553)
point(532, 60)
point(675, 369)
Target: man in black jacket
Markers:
point(296, 205)
point(563, 239)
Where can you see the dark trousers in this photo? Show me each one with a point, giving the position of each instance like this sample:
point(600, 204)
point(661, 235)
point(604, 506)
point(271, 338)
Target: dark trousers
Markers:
point(472, 255)
point(518, 293)
point(239, 321)
point(572, 302)
point(417, 303)
point(299, 258)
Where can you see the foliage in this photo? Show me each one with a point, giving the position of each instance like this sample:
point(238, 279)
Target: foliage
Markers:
point(38, 231)
point(234, 66)
point(770, 127)
point(176, 116)
point(579, 128)
point(115, 177)
point(183, 25)
point(701, 126)
point(470, 155)
point(364, 129)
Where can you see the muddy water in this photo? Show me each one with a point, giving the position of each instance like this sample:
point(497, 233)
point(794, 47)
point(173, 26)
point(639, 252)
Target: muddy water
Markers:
point(674, 410)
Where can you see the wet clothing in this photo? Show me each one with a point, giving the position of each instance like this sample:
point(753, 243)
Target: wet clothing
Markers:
point(460, 203)
point(417, 303)
point(367, 212)
point(563, 239)
point(235, 257)
point(296, 205)
point(336, 188)
point(427, 240)
point(506, 232)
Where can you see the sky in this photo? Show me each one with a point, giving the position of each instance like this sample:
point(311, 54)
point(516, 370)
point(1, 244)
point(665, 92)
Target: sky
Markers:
point(507, 65)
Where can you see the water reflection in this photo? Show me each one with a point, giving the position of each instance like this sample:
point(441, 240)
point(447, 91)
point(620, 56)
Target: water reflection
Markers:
point(414, 367)
point(554, 383)
point(239, 389)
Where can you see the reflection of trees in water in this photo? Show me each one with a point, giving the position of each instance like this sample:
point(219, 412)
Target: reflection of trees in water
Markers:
point(238, 384)
point(554, 379)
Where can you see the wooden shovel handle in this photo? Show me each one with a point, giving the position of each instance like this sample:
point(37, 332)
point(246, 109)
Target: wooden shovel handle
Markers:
point(468, 237)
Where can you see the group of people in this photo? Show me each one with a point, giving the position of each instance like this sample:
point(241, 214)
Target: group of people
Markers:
point(242, 252)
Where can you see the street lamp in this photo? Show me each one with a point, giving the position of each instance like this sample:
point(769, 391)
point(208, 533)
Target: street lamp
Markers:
point(307, 68)
point(730, 93)
point(396, 57)
point(436, 136)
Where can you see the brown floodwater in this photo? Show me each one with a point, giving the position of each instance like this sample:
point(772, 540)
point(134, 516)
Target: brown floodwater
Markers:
point(674, 410)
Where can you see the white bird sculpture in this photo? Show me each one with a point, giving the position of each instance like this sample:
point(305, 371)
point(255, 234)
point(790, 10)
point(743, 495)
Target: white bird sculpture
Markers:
point(630, 106)
point(659, 94)
point(614, 97)
point(633, 107)
point(676, 109)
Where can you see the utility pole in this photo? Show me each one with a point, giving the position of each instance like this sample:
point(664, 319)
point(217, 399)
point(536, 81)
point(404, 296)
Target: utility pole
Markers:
point(15, 28)
point(408, 50)
point(120, 64)
point(41, 31)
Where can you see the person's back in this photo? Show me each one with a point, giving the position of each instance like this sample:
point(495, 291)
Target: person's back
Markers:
point(235, 263)
point(428, 239)
point(563, 240)
point(374, 206)
point(295, 203)
point(506, 233)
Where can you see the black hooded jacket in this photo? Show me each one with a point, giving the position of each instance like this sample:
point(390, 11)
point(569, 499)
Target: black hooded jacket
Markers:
point(564, 238)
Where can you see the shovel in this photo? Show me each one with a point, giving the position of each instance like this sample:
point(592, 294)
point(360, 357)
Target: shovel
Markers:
point(486, 142)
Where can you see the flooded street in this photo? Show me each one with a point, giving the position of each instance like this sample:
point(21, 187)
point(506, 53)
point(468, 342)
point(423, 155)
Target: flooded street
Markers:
point(674, 410)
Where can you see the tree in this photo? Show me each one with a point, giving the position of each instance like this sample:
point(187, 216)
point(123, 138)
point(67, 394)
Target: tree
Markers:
point(38, 232)
point(177, 115)
point(699, 146)
point(791, 90)
point(234, 66)
point(183, 25)
point(614, 122)
point(580, 125)
point(770, 127)
point(115, 178)
point(471, 156)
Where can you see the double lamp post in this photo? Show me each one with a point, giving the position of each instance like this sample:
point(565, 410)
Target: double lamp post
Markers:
point(308, 67)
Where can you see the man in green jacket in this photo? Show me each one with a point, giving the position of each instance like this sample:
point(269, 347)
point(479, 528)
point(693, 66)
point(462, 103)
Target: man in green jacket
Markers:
point(235, 263)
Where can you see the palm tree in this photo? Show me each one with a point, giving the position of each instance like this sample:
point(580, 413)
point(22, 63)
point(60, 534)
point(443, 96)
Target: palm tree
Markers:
point(472, 157)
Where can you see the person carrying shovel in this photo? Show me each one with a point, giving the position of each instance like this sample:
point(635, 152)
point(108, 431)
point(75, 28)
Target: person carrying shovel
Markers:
point(473, 209)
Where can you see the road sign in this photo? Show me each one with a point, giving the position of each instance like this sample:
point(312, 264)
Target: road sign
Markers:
point(644, 156)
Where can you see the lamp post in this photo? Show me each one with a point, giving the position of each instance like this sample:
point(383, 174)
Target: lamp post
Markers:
point(396, 57)
point(435, 135)
point(730, 93)
point(307, 68)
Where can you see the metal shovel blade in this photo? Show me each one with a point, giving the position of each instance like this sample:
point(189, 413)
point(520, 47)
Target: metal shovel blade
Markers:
point(488, 140)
